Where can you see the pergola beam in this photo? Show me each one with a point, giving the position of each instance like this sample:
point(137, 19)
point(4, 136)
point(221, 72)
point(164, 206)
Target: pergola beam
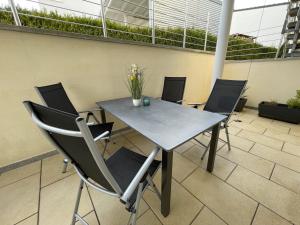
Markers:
point(261, 6)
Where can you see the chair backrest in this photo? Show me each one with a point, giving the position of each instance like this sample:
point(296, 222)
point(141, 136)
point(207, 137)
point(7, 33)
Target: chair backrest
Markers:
point(70, 134)
point(225, 95)
point(173, 89)
point(55, 96)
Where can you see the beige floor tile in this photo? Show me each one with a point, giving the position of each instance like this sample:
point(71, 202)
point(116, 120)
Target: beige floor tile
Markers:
point(110, 210)
point(52, 169)
point(291, 148)
point(19, 200)
point(285, 124)
point(262, 139)
point(58, 201)
point(247, 118)
point(116, 143)
point(283, 137)
point(130, 133)
point(232, 129)
point(279, 157)
point(32, 220)
point(91, 219)
point(205, 139)
point(247, 160)
point(142, 143)
point(182, 167)
point(19, 173)
point(248, 126)
point(270, 126)
point(239, 142)
point(148, 219)
point(184, 147)
point(222, 167)
point(277, 198)
point(287, 178)
point(261, 121)
point(295, 131)
point(184, 207)
point(207, 217)
point(266, 217)
point(231, 205)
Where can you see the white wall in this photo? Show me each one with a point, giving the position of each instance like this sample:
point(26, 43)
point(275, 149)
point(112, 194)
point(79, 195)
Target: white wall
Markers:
point(89, 70)
point(273, 80)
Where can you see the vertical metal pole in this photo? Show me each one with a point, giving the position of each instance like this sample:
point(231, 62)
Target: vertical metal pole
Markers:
point(185, 23)
point(103, 19)
point(279, 46)
point(15, 12)
point(223, 36)
point(153, 21)
point(206, 33)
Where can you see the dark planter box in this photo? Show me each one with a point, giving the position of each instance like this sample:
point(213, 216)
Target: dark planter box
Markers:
point(279, 112)
point(240, 105)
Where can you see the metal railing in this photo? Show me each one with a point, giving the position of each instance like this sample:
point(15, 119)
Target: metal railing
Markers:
point(163, 22)
point(264, 42)
point(166, 22)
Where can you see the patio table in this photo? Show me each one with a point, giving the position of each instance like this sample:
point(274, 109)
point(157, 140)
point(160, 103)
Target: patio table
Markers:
point(168, 125)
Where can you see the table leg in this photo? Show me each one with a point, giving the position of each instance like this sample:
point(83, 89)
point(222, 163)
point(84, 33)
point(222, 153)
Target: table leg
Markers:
point(166, 181)
point(103, 116)
point(213, 147)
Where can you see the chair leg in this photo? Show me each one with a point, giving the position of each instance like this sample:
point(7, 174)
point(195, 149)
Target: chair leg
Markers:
point(206, 150)
point(227, 136)
point(137, 204)
point(65, 165)
point(152, 184)
point(77, 202)
point(105, 147)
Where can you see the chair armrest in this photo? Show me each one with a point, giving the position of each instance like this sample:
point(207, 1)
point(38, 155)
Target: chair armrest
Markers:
point(139, 176)
point(90, 114)
point(101, 136)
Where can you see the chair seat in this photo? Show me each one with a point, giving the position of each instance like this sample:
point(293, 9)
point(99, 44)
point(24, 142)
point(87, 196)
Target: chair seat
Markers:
point(98, 129)
point(125, 164)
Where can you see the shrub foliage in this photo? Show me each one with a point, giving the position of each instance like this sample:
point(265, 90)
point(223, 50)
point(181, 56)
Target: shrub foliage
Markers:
point(238, 49)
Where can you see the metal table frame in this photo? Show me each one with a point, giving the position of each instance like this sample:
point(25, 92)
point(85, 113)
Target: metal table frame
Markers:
point(167, 162)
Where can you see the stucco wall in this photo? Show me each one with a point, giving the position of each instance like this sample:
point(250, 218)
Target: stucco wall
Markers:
point(89, 70)
point(273, 80)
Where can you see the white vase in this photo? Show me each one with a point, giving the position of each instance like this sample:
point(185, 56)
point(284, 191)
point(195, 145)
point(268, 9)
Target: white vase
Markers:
point(136, 102)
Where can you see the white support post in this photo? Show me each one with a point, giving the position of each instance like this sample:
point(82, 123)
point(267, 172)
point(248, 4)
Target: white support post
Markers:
point(222, 42)
point(153, 21)
point(185, 23)
point(207, 30)
point(15, 13)
point(103, 19)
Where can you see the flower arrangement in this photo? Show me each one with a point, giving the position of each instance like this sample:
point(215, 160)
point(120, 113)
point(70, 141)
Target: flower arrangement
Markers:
point(135, 83)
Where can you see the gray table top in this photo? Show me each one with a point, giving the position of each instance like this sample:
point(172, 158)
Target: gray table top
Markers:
point(166, 124)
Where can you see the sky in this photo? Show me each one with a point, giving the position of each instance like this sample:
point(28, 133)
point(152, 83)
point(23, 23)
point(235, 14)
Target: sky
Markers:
point(266, 24)
point(252, 3)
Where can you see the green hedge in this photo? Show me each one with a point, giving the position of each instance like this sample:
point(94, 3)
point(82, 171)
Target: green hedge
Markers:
point(164, 36)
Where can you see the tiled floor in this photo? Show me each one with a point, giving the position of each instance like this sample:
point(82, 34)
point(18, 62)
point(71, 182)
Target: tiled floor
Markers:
point(257, 182)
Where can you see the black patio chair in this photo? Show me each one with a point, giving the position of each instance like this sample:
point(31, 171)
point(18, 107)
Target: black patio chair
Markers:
point(223, 99)
point(55, 96)
point(173, 89)
point(124, 175)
